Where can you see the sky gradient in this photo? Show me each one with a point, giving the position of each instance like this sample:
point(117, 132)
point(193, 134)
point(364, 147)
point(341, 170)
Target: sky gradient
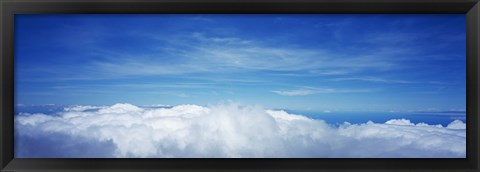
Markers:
point(299, 62)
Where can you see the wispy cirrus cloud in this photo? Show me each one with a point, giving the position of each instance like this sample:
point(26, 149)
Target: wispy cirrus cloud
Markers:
point(203, 53)
point(161, 57)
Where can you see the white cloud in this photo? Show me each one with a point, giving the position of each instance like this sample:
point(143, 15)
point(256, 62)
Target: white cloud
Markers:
point(225, 130)
point(157, 106)
point(457, 124)
point(399, 122)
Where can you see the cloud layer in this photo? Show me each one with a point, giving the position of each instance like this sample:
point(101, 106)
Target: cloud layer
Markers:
point(224, 130)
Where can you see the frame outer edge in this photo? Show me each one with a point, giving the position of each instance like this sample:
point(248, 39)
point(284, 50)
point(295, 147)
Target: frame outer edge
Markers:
point(473, 89)
point(6, 89)
point(477, 54)
point(1, 83)
point(7, 85)
point(2, 115)
point(476, 10)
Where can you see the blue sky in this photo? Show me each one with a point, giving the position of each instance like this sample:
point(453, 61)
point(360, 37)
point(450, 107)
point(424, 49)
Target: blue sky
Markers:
point(300, 62)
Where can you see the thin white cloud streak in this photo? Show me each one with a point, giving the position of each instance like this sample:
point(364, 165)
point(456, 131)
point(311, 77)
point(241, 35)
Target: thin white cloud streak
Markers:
point(382, 80)
point(312, 90)
point(373, 79)
point(296, 92)
point(225, 130)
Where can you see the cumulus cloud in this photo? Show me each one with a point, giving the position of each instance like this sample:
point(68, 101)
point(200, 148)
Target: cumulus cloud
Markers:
point(457, 124)
point(224, 130)
point(399, 122)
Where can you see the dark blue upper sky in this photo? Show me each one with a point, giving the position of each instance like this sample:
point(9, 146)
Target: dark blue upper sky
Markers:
point(302, 62)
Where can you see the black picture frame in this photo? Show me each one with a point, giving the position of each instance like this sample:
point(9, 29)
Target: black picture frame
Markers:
point(9, 8)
